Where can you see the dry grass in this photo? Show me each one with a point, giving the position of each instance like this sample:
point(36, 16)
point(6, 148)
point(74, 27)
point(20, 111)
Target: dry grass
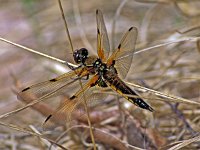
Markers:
point(166, 66)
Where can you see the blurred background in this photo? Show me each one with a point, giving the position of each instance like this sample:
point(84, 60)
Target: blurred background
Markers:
point(169, 68)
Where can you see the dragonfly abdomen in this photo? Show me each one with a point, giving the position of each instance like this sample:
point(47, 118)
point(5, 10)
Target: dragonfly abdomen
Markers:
point(118, 85)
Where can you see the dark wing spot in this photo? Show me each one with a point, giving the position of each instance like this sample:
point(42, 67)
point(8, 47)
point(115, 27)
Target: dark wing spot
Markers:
point(130, 28)
point(113, 62)
point(97, 11)
point(73, 97)
point(25, 89)
point(98, 31)
point(119, 46)
point(48, 118)
point(53, 80)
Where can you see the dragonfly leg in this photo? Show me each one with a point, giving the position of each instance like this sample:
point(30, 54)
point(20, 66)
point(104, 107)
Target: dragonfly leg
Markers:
point(71, 67)
point(86, 77)
point(81, 78)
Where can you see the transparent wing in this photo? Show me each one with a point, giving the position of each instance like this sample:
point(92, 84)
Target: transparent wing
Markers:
point(95, 96)
point(122, 56)
point(49, 88)
point(63, 114)
point(103, 46)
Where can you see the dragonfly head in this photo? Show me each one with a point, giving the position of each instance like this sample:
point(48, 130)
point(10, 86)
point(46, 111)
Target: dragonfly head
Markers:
point(80, 55)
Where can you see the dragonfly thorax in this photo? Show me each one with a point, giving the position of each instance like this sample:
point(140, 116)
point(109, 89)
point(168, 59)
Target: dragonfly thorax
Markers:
point(80, 55)
point(99, 66)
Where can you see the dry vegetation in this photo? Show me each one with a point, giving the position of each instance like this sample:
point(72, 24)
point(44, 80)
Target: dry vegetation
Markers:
point(168, 62)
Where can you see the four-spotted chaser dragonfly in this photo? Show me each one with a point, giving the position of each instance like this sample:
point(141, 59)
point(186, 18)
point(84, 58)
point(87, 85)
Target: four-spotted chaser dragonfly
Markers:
point(106, 70)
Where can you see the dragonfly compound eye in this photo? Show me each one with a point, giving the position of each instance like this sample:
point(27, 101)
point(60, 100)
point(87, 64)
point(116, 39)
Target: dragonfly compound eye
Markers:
point(84, 52)
point(80, 55)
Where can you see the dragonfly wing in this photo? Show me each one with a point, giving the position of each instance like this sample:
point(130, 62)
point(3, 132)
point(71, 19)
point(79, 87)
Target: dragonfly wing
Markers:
point(103, 46)
point(63, 114)
point(122, 56)
point(49, 88)
point(96, 96)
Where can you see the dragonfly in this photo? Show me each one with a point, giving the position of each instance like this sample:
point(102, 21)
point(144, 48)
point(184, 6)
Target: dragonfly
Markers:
point(106, 70)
